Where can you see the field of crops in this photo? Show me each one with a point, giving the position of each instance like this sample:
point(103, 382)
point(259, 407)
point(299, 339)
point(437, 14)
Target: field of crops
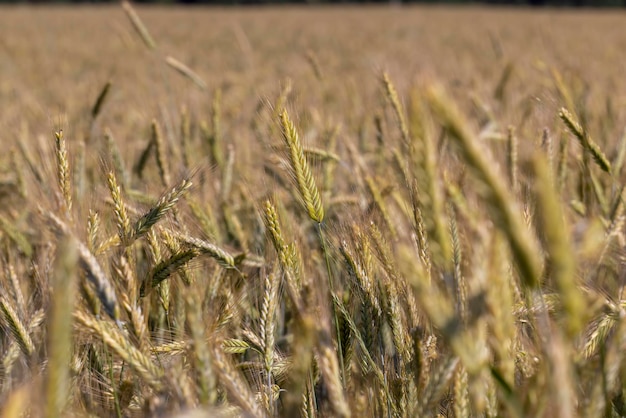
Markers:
point(316, 212)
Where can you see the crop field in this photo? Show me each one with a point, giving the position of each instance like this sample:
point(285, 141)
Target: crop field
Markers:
point(314, 212)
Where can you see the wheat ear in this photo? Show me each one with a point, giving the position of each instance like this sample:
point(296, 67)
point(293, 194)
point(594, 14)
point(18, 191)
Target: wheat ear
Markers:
point(63, 171)
point(301, 170)
point(138, 25)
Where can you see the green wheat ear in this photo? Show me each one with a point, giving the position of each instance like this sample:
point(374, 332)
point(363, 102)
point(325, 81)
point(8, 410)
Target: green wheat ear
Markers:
point(301, 170)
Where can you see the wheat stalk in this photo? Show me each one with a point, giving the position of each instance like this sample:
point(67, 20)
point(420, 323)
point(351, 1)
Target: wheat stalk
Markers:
point(60, 330)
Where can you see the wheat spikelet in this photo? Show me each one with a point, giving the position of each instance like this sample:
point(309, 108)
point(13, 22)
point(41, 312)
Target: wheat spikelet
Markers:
point(363, 346)
point(269, 307)
point(12, 353)
point(605, 383)
point(437, 385)
point(273, 226)
point(123, 222)
point(166, 268)
point(97, 106)
point(322, 154)
point(80, 170)
point(173, 348)
point(235, 387)
point(186, 71)
point(93, 271)
point(585, 141)
point(461, 396)
point(224, 258)
point(459, 281)
point(301, 170)
point(93, 227)
point(16, 290)
point(359, 272)
point(185, 134)
point(118, 162)
point(160, 209)
point(212, 137)
point(143, 158)
point(420, 231)
point(601, 328)
point(315, 64)
point(392, 95)
point(63, 171)
point(16, 326)
point(204, 375)
point(235, 346)
point(114, 339)
point(138, 323)
point(161, 153)
point(500, 90)
point(138, 25)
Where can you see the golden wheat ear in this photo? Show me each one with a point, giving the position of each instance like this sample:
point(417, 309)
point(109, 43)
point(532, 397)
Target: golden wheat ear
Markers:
point(302, 172)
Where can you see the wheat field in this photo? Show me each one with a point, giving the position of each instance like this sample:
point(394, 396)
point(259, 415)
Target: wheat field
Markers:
point(315, 212)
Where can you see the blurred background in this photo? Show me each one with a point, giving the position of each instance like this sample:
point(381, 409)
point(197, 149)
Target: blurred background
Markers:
point(552, 3)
